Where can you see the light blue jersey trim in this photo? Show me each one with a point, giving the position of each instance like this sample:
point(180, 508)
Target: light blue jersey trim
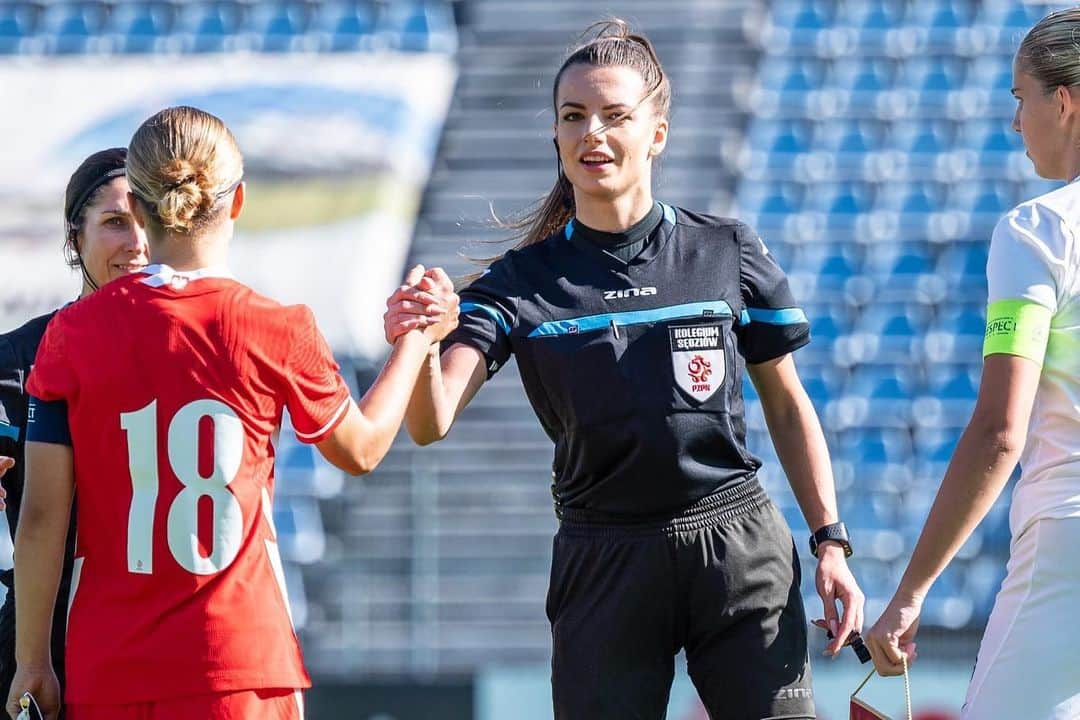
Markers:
point(499, 319)
point(669, 214)
point(9, 431)
point(669, 218)
point(716, 308)
point(785, 316)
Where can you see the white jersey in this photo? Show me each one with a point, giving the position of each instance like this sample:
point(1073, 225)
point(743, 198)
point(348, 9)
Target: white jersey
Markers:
point(1035, 256)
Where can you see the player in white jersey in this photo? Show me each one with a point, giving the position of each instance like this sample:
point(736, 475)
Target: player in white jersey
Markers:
point(1028, 410)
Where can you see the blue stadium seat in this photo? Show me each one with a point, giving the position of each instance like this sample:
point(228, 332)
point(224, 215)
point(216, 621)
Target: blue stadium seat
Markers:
point(780, 143)
point(890, 331)
point(18, 21)
point(284, 27)
point(922, 140)
point(963, 269)
point(420, 26)
point(300, 533)
point(71, 27)
point(141, 27)
point(213, 26)
point(348, 26)
point(950, 395)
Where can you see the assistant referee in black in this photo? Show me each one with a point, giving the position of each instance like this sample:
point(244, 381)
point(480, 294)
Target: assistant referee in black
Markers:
point(102, 242)
point(632, 323)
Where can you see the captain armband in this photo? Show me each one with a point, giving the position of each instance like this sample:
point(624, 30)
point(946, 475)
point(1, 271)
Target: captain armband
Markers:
point(1017, 327)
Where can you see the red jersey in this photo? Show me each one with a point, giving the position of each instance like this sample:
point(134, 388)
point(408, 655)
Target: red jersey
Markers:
point(175, 384)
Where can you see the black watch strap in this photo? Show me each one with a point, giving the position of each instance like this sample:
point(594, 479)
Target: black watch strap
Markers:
point(837, 532)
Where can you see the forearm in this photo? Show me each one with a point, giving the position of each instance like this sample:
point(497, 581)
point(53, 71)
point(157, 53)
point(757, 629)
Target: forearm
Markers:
point(429, 415)
point(383, 405)
point(800, 444)
point(979, 470)
point(39, 559)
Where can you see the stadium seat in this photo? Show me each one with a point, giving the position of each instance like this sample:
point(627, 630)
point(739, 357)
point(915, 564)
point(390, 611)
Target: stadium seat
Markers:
point(18, 21)
point(348, 26)
point(141, 27)
point(283, 28)
point(213, 26)
point(71, 28)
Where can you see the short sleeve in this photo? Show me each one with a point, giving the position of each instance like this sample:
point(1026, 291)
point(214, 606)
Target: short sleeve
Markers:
point(11, 395)
point(488, 312)
point(771, 324)
point(52, 376)
point(1027, 256)
point(315, 393)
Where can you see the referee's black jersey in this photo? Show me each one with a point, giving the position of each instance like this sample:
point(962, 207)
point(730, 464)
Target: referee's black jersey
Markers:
point(635, 368)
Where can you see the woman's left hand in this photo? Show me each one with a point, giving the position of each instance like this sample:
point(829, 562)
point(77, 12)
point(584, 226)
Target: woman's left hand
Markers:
point(834, 582)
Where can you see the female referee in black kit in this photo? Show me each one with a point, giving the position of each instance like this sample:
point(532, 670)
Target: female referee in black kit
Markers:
point(632, 322)
point(103, 241)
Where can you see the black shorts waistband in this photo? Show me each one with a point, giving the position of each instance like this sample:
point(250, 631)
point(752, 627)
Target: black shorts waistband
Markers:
point(710, 510)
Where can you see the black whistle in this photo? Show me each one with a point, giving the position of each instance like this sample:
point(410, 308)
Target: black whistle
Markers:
point(855, 642)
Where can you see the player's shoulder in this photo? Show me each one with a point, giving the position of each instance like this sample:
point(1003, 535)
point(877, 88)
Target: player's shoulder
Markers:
point(1059, 206)
point(18, 346)
point(1048, 222)
point(713, 227)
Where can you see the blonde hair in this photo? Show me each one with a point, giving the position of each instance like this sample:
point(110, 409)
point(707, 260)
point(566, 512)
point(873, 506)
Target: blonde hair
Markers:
point(1050, 52)
point(608, 43)
point(180, 164)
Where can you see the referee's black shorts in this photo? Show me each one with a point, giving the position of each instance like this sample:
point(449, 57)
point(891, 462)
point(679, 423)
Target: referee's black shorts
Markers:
point(721, 581)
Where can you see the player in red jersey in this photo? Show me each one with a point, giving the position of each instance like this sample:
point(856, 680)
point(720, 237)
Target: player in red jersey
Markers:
point(174, 381)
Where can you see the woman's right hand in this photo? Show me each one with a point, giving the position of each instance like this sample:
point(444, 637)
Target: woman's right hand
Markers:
point(39, 682)
point(426, 301)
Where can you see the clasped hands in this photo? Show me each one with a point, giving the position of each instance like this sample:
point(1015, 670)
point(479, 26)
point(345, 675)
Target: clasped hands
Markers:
point(425, 302)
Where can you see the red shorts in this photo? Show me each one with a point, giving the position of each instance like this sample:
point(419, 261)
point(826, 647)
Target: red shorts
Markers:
point(266, 704)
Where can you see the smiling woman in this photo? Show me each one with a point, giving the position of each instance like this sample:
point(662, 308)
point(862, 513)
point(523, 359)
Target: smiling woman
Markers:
point(633, 323)
point(102, 240)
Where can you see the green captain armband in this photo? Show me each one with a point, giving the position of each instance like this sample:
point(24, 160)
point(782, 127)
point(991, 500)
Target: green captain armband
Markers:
point(1017, 327)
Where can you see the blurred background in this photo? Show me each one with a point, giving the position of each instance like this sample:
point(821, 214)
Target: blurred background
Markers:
point(868, 141)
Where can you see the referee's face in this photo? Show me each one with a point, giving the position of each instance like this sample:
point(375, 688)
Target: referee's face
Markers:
point(606, 140)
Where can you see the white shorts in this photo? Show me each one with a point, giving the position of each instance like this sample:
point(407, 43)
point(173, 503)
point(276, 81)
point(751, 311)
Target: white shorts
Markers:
point(1029, 659)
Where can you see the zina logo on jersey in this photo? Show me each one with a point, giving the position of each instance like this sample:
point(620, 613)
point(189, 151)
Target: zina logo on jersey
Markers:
point(628, 293)
point(697, 356)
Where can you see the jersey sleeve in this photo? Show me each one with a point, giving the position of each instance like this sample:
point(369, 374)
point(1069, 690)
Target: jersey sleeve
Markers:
point(1028, 253)
point(770, 324)
point(315, 393)
point(488, 312)
point(52, 376)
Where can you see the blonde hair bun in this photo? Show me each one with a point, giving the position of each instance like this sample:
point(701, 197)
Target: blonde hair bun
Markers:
point(181, 162)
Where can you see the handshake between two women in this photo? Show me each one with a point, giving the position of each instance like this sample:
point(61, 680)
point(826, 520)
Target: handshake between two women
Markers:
point(425, 302)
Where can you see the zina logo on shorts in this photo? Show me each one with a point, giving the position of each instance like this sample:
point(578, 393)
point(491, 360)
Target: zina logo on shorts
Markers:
point(628, 293)
point(697, 356)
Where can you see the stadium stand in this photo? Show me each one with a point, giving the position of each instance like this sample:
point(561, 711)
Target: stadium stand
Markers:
point(878, 157)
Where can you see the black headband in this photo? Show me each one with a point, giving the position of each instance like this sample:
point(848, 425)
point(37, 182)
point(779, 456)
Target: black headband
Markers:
point(78, 206)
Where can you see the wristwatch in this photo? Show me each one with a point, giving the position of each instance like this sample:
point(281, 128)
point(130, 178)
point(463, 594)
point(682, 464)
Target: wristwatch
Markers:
point(837, 532)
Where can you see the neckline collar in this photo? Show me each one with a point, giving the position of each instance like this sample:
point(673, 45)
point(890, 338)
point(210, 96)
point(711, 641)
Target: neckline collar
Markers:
point(662, 232)
point(159, 275)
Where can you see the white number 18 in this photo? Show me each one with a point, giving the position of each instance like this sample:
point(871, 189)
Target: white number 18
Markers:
point(182, 526)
